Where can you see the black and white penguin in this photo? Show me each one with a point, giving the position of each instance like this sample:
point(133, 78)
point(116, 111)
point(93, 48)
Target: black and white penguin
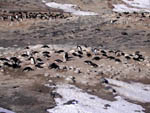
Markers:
point(53, 66)
point(95, 51)
point(91, 63)
point(65, 57)
point(39, 65)
point(26, 69)
point(15, 62)
point(79, 50)
point(45, 46)
point(59, 51)
point(33, 61)
point(77, 55)
point(58, 61)
point(88, 54)
point(96, 58)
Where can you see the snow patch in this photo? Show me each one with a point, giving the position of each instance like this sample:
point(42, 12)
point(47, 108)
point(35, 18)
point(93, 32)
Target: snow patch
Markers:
point(134, 91)
point(139, 3)
point(134, 6)
point(2, 110)
point(74, 100)
point(70, 8)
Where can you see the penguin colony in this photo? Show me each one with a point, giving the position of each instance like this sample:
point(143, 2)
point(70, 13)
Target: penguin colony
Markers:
point(81, 60)
point(43, 15)
point(118, 18)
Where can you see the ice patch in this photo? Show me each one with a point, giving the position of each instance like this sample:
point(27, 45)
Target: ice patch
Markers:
point(74, 100)
point(138, 6)
point(134, 91)
point(70, 8)
point(2, 110)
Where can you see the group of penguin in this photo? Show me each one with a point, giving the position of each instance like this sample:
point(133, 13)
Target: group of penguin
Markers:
point(94, 55)
point(20, 15)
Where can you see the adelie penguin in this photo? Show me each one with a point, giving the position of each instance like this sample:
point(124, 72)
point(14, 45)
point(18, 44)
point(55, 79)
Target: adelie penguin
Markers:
point(45, 46)
point(88, 54)
point(38, 65)
point(26, 69)
point(32, 59)
point(79, 48)
point(46, 54)
point(53, 66)
point(95, 51)
point(96, 58)
point(91, 63)
point(4, 59)
point(65, 57)
point(77, 55)
point(58, 61)
point(59, 51)
point(15, 62)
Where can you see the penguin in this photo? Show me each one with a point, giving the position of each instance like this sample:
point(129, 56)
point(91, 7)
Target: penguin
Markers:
point(34, 52)
point(128, 57)
point(25, 55)
point(79, 48)
point(71, 102)
point(53, 66)
point(4, 59)
point(45, 46)
point(95, 51)
point(96, 58)
point(103, 80)
point(77, 55)
point(15, 60)
point(88, 54)
point(58, 61)
point(27, 47)
point(38, 65)
point(32, 59)
point(46, 55)
point(111, 57)
point(117, 60)
point(103, 52)
point(45, 52)
point(39, 60)
point(91, 63)
point(26, 69)
point(65, 57)
point(59, 51)
point(7, 64)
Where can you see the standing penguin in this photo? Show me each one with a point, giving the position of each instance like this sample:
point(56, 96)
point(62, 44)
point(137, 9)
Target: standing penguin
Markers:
point(65, 57)
point(32, 59)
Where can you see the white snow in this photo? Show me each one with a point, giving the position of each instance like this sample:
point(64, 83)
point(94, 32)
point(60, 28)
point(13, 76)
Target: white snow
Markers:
point(133, 6)
point(69, 8)
point(2, 110)
point(134, 91)
point(123, 8)
point(139, 3)
point(87, 103)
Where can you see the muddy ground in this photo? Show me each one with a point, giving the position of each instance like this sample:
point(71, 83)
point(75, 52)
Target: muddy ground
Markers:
point(26, 93)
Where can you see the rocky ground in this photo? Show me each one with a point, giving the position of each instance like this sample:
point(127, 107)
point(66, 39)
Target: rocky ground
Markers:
point(122, 39)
